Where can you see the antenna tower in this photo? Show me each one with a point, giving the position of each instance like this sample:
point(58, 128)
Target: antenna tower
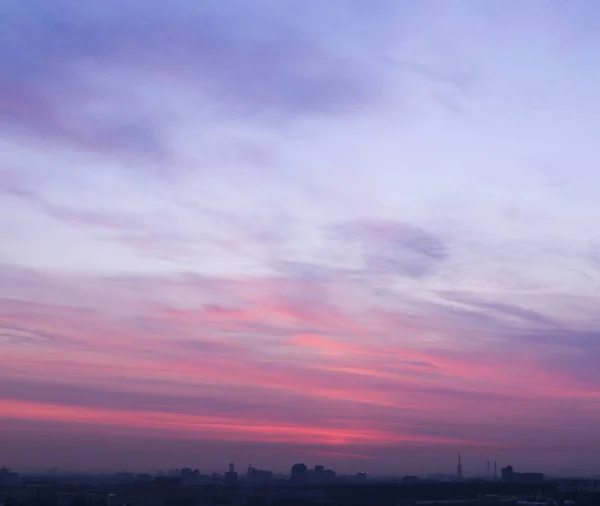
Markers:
point(459, 473)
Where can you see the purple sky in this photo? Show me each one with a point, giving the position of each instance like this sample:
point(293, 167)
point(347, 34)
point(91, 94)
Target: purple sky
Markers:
point(362, 234)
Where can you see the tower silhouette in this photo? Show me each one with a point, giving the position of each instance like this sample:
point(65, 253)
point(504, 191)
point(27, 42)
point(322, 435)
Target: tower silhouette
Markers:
point(459, 469)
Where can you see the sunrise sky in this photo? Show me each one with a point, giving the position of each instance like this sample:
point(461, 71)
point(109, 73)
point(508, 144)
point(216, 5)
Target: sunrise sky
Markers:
point(362, 234)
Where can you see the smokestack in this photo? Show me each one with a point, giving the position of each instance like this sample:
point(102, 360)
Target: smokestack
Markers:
point(495, 471)
point(488, 469)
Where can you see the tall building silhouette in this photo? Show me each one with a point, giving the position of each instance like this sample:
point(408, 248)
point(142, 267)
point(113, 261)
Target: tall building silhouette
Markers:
point(258, 476)
point(231, 477)
point(322, 475)
point(459, 473)
point(299, 474)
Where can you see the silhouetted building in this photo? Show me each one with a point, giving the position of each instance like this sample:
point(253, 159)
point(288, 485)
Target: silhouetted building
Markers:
point(262, 476)
point(258, 476)
point(231, 477)
point(7, 477)
point(508, 474)
point(322, 475)
point(189, 476)
point(299, 474)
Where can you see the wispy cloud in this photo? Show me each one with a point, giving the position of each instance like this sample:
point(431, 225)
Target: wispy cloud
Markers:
point(393, 248)
point(206, 369)
point(255, 229)
point(62, 67)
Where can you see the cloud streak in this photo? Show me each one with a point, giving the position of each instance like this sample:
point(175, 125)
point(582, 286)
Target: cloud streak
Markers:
point(197, 374)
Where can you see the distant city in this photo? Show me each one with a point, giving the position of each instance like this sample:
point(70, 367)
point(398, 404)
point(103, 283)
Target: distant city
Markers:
point(301, 486)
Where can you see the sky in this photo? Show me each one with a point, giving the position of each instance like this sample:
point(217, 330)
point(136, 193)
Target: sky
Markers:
point(354, 233)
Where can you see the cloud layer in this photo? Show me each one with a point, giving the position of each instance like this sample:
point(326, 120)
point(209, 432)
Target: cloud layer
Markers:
point(283, 232)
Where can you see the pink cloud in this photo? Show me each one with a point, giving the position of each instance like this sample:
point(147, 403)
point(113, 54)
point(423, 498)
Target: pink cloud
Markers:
point(314, 373)
point(223, 428)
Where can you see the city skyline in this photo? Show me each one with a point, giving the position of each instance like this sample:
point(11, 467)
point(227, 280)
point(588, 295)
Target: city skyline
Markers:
point(355, 233)
point(250, 472)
